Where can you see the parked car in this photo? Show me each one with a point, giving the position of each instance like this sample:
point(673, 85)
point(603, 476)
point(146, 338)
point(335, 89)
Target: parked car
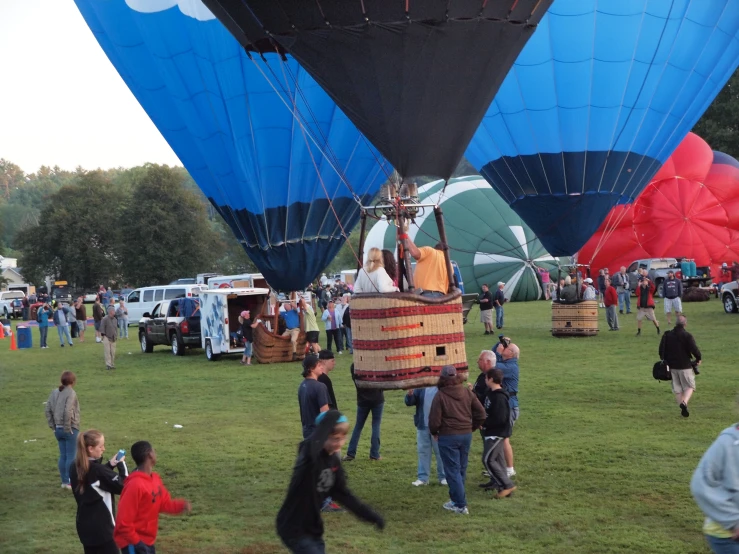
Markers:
point(175, 323)
point(657, 269)
point(7, 301)
point(730, 297)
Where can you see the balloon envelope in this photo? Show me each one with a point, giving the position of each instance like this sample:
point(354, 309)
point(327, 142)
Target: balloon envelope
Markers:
point(486, 238)
point(229, 118)
point(415, 77)
point(598, 98)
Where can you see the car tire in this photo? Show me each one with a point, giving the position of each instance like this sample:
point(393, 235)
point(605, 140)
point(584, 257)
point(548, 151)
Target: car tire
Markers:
point(730, 306)
point(146, 346)
point(178, 347)
point(5, 313)
point(209, 352)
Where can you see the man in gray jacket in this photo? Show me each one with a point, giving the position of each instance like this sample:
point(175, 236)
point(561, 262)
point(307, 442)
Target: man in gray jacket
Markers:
point(714, 487)
point(623, 288)
point(109, 332)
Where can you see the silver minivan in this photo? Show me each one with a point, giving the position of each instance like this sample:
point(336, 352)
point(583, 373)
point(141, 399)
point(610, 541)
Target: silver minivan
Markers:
point(142, 300)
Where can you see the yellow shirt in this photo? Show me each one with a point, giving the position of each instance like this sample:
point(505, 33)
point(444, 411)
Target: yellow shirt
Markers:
point(431, 270)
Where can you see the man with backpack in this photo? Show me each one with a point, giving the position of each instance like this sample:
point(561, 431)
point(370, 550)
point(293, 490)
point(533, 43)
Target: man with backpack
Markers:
point(675, 349)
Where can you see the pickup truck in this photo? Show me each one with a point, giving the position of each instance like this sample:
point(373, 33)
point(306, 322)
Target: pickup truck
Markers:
point(730, 297)
point(657, 269)
point(175, 323)
point(9, 305)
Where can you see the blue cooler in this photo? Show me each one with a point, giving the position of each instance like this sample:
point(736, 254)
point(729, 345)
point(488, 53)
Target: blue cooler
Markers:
point(23, 337)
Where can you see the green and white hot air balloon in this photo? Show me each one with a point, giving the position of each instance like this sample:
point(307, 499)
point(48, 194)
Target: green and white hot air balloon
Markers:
point(487, 239)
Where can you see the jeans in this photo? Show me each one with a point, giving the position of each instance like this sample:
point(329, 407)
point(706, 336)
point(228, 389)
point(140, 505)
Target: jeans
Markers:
point(612, 317)
point(499, 316)
point(305, 545)
point(723, 546)
point(44, 332)
point(425, 443)
point(362, 413)
point(123, 327)
point(348, 337)
point(140, 548)
point(455, 452)
point(624, 298)
point(67, 451)
point(333, 335)
point(63, 331)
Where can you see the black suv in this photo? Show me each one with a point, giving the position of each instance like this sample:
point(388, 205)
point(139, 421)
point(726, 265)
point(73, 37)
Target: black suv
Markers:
point(175, 323)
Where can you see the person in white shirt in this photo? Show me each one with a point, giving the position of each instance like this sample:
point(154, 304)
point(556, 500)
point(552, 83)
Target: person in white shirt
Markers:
point(373, 277)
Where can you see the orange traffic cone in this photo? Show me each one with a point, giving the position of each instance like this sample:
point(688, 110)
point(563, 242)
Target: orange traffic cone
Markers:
point(2, 331)
point(12, 342)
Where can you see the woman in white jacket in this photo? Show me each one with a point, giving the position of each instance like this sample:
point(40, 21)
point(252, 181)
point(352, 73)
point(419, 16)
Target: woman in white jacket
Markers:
point(373, 277)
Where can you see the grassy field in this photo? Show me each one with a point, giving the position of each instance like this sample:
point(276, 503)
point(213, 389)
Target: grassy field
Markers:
point(603, 457)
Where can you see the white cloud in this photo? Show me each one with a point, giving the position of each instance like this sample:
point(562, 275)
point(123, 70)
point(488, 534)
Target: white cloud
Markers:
point(192, 8)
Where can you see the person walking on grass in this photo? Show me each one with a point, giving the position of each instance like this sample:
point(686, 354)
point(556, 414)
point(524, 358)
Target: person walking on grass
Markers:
point(497, 427)
point(98, 313)
point(455, 413)
point(143, 498)
point(486, 309)
point(42, 316)
point(714, 485)
point(425, 443)
point(247, 333)
point(81, 314)
point(610, 299)
point(63, 417)
point(676, 349)
point(62, 324)
point(109, 334)
point(369, 401)
point(645, 303)
point(94, 485)
point(318, 474)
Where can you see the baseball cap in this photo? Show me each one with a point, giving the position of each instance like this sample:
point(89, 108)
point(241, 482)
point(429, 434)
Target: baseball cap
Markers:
point(448, 371)
point(588, 280)
point(325, 355)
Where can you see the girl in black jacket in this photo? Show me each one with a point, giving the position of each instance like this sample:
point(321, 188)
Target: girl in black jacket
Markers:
point(94, 484)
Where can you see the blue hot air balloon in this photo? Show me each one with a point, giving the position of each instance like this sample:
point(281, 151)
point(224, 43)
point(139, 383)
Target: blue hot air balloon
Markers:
point(597, 100)
point(269, 148)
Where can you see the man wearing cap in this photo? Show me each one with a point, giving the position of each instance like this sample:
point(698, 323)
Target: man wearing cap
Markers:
point(645, 303)
point(313, 397)
point(588, 290)
point(498, 301)
point(673, 292)
point(431, 275)
point(109, 332)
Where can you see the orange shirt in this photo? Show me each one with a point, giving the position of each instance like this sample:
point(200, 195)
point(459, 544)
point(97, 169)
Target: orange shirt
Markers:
point(431, 270)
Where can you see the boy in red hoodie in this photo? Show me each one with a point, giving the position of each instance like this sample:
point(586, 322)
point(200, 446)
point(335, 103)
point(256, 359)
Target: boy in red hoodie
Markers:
point(144, 496)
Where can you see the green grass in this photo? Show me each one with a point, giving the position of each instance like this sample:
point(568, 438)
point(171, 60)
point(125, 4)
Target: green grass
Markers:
point(604, 458)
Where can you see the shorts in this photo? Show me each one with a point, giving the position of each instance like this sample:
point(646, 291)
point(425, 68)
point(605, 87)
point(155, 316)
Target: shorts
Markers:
point(486, 316)
point(645, 312)
point(247, 349)
point(682, 380)
point(673, 304)
point(312, 337)
point(97, 325)
point(515, 412)
point(81, 324)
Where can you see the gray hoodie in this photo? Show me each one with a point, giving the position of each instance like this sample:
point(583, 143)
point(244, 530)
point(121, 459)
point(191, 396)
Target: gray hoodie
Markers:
point(715, 483)
point(63, 409)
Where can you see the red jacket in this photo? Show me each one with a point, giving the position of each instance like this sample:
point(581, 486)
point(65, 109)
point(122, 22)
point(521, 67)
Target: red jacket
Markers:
point(611, 296)
point(144, 496)
point(650, 296)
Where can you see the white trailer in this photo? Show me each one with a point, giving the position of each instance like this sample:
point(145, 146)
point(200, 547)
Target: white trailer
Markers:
point(220, 309)
point(243, 280)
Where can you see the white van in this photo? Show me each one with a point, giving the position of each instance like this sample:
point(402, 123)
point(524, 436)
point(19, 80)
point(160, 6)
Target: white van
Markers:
point(243, 280)
point(144, 299)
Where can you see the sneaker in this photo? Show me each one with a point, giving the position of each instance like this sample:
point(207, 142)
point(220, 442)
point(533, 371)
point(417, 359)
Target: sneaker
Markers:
point(621, 311)
point(505, 493)
point(487, 332)
point(66, 486)
point(489, 485)
point(684, 410)
point(419, 483)
point(443, 483)
point(375, 459)
point(463, 511)
point(347, 458)
point(510, 471)
point(449, 506)
point(332, 507)
point(638, 332)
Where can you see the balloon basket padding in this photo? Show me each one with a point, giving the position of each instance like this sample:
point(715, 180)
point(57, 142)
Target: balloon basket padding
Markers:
point(402, 340)
point(575, 320)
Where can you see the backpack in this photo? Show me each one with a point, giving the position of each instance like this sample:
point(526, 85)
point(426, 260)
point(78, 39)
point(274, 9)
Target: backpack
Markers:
point(661, 371)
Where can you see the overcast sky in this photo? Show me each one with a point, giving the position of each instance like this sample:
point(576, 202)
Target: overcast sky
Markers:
point(61, 100)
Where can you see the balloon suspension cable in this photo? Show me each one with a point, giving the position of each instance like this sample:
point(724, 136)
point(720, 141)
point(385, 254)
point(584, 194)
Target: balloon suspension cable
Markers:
point(609, 230)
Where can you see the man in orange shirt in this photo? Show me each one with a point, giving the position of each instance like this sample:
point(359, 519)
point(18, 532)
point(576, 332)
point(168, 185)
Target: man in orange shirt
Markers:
point(431, 275)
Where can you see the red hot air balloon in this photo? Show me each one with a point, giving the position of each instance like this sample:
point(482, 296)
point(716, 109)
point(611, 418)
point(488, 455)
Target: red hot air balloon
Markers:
point(690, 209)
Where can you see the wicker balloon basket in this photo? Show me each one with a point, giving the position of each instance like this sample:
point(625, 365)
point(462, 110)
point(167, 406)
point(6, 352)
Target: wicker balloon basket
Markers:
point(575, 320)
point(402, 340)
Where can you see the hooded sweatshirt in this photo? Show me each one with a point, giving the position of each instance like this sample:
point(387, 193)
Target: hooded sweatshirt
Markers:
point(455, 411)
point(143, 498)
point(96, 501)
point(63, 409)
point(715, 484)
point(316, 476)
